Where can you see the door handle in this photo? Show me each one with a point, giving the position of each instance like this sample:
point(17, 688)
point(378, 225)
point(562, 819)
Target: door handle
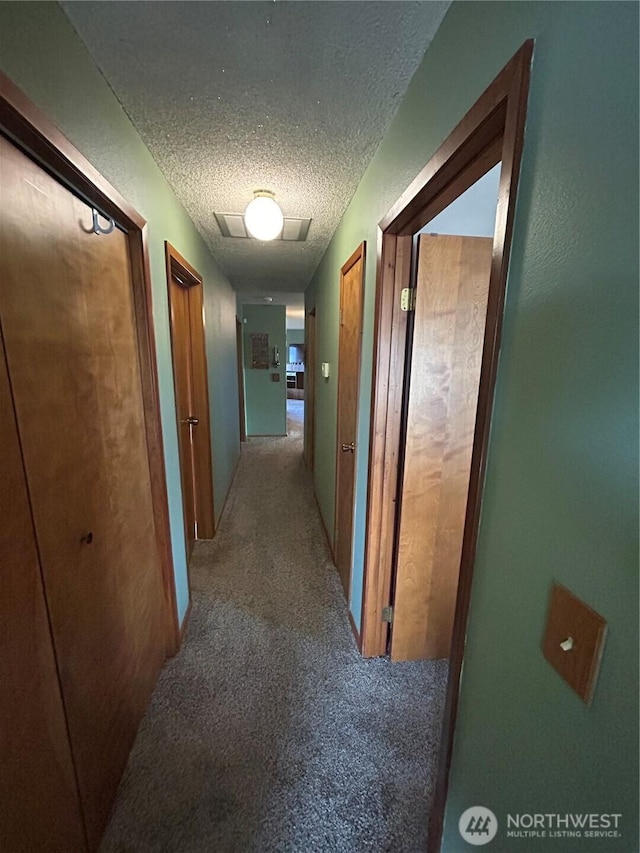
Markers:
point(349, 448)
point(191, 421)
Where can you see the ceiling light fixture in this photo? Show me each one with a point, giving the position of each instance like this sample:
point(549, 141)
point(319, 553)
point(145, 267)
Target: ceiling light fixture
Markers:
point(263, 218)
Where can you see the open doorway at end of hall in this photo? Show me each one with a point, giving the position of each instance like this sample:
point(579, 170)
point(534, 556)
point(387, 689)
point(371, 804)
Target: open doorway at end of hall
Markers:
point(296, 375)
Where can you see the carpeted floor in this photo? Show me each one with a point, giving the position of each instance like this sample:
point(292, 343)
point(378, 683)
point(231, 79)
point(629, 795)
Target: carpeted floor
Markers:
point(268, 731)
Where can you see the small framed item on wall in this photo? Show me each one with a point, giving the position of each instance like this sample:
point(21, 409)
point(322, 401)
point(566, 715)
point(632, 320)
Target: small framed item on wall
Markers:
point(259, 351)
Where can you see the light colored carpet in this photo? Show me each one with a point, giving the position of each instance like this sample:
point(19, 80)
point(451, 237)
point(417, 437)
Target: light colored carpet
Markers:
point(268, 731)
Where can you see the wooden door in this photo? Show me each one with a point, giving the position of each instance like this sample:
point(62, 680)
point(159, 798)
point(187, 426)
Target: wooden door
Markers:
point(39, 805)
point(351, 299)
point(67, 312)
point(451, 302)
point(310, 390)
point(192, 397)
point(181, 348)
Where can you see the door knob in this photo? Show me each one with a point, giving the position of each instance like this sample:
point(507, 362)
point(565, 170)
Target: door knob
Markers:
point(349, 448)
point(191, 421)
point(86, 538)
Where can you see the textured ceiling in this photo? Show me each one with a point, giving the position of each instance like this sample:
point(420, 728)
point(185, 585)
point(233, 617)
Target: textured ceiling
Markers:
point(234, 96)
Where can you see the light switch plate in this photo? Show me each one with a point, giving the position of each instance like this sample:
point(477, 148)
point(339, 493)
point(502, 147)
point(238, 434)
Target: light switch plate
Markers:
point(573, 640)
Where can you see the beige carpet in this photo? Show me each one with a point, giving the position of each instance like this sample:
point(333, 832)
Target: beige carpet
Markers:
point(269, 732)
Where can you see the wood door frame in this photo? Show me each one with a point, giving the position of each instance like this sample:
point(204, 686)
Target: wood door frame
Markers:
point(360, 254)
point(178, 266)
point(32, 132)
point(492, 131)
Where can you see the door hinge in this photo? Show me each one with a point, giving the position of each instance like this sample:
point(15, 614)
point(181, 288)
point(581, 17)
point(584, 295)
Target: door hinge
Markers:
point(387, 614)
point(408, 299)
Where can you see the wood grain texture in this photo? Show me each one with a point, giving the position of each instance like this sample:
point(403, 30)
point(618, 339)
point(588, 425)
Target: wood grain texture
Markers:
point(349, 346)
point(26, 123)
point(72, 350)
point(452, 288)
point(33, 131)
point(471, 147)
point(394, 266)
point(39, 803)
point(570, 617)
point(180, 349)
point(188, 348)
point(203, 464)
point(143, 306)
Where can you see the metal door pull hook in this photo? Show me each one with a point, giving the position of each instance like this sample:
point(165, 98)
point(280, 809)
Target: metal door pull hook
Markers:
point(97, 228)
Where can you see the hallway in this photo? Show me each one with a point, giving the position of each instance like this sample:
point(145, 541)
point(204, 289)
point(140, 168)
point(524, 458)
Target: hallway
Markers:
point(268, 731)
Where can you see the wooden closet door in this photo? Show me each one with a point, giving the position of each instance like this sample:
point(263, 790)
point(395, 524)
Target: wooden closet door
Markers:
point(192, 397)
point(349, 345)
point(203, 469)
point(182, 370)
point(70, 337)
point(39, 806)
point(450, 315)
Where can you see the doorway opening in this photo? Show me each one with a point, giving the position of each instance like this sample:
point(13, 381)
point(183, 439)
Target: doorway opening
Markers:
point(451, 266)
point(310, 390)
point(418, 451)
point(295, 417)
point(242, 417)
point(297, 371)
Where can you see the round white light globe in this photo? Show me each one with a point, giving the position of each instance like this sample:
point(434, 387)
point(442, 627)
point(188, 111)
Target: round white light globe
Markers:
point(263, 218)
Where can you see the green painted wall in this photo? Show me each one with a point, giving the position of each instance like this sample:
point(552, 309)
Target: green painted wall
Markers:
point(265, 400)
point(561, 496)
point(41, 53)
point(295, 336)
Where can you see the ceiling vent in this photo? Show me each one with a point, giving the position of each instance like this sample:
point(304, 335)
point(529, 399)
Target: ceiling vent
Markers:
point(294, 230)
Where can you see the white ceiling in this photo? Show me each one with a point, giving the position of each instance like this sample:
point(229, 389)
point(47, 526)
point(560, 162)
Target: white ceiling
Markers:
point(234, 96)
